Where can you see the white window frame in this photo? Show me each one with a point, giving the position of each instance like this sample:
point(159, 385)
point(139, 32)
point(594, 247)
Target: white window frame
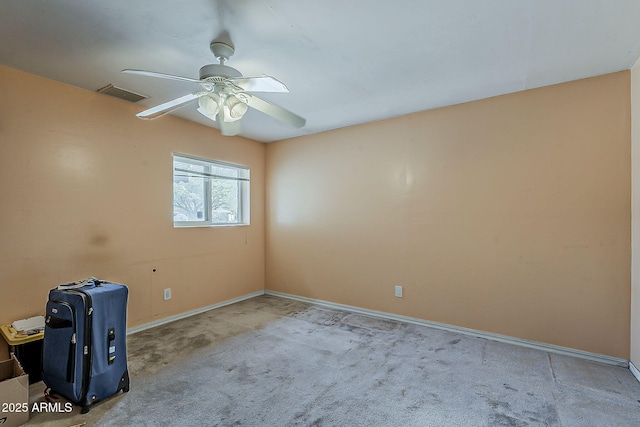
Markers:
point(243, 178)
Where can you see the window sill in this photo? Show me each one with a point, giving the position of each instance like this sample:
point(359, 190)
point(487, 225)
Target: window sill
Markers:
point(208, 225)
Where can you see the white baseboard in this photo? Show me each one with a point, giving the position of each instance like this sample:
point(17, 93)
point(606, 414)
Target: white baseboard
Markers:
point(566, 351)
point(186, 314)
point(634, 371)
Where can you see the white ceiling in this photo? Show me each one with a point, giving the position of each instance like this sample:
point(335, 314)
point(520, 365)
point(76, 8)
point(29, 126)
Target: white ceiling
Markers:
point(345, 61)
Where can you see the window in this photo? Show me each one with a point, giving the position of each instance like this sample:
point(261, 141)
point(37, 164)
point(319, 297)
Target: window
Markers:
point(207, 192)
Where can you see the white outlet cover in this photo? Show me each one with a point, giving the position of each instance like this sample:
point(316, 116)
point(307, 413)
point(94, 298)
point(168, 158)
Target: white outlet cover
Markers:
point(399, 291)
point(167, 294)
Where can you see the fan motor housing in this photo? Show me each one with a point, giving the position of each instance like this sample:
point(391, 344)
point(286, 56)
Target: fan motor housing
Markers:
point(218, 70)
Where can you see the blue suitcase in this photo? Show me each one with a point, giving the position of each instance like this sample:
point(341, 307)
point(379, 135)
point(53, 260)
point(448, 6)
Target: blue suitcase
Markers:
point(84, 354)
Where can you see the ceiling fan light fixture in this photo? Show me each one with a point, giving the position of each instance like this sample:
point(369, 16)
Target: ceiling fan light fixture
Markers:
point(226, 95)
point(234, 108)
point(209, 105)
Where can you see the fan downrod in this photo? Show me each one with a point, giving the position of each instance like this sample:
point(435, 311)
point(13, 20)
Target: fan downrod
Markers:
point(222, 51)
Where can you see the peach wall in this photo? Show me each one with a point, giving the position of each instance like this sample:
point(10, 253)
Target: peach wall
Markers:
point(87, 190)
point(508, 215)
point(635, 210)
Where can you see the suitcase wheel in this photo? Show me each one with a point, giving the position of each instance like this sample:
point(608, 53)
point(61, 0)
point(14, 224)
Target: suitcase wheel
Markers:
point(124, 382)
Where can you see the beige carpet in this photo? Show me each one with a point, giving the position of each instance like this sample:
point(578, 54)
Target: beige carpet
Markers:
point(270, 361)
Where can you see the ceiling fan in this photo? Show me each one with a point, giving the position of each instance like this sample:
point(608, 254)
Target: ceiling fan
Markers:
point(224, 96)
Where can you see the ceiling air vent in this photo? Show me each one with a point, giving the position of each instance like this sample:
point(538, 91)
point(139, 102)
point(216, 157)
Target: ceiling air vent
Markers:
point(121, 93)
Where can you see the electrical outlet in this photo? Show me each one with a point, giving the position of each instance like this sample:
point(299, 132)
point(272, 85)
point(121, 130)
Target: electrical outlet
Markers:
point(167, 294)
point(399, 291)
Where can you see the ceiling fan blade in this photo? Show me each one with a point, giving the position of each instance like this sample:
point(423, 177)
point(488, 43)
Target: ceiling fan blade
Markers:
point(160, 75)
point(230, 128)
point(260, 84)
point(275, 111)
point(159, 110)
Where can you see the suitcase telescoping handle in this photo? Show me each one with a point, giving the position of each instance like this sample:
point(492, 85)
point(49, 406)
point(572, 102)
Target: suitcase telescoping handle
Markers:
point(75, 285)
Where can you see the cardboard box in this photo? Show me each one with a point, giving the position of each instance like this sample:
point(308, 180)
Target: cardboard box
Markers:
point(14, 394)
